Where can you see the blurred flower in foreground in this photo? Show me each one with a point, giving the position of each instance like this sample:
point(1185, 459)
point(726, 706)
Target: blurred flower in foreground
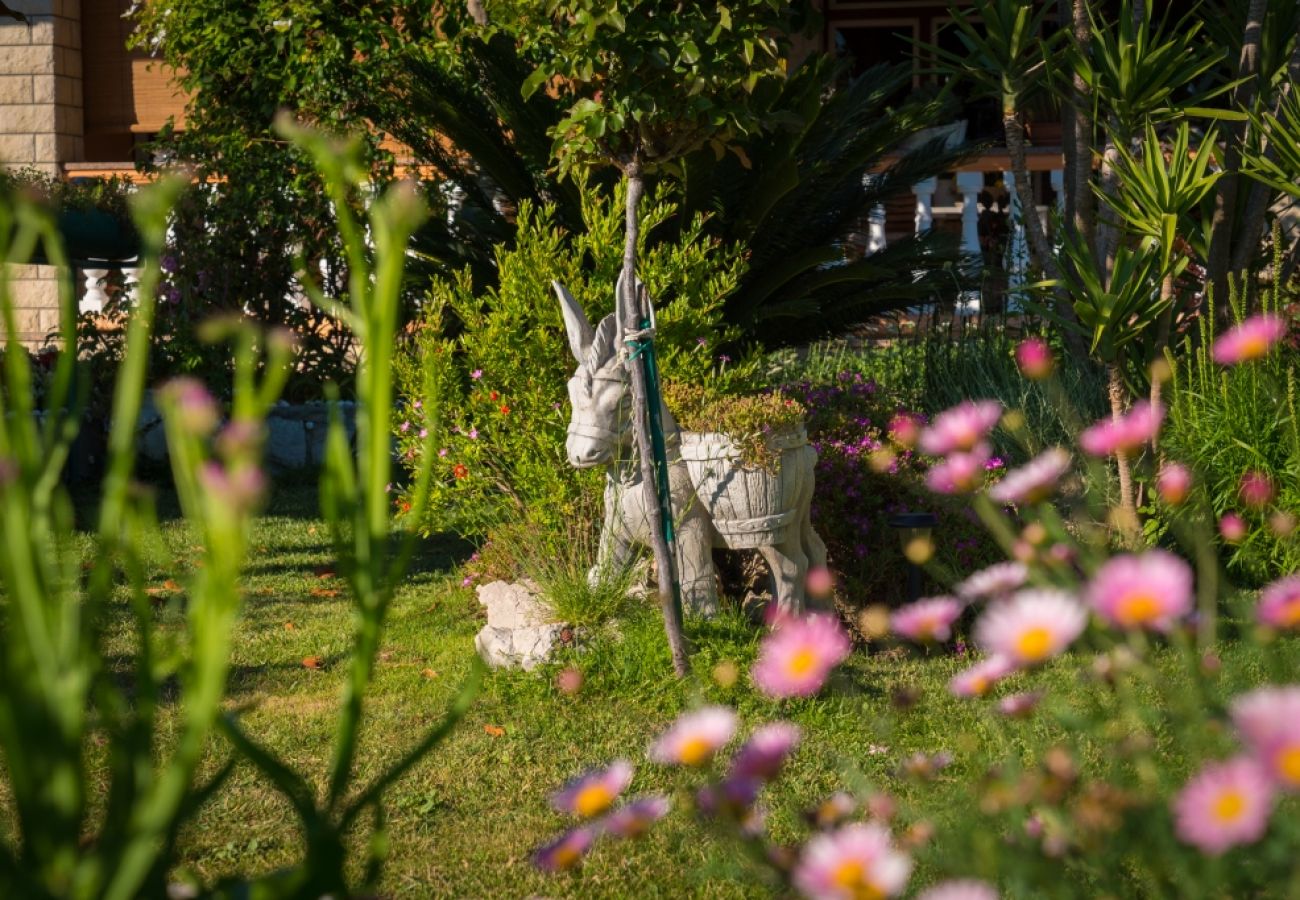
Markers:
point(595, 792)
point(566, 851)
point(959, 472)
point(995, 582)
point(195, 408)
point(964, 889)
point(905, 430)
point(1174, 483)
point(1034, 357)
point(1125, 434)
point(766, 751)
point(796, 658)
point(1033, 482)
point(569, 680)
point(820, 582)
point(857, 861)
point(979, 678)
point(1252, 339)
point(695, 737)
point(962, 427)
point(1256, 489)
point(1279, 604)
point(1149, 590)
point(635, 819)
point(927, 620)
point(1019, 706)
point(1224, 805)
point(1269, 721)
point(1032, 626)
point(1232, 528)
point(831, 811)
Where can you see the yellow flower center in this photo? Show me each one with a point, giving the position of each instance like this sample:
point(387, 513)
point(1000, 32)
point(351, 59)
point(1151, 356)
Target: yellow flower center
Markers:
point(1138, 608)
point(1288, 764)
point(1291, 613)
point(802, 662)
point(979, 685)
point(695, 751)
point(851, 877)
point(592, 800)
point(565, 856)
point(1229, 806)
point(1253, 347)
point(1034, 644)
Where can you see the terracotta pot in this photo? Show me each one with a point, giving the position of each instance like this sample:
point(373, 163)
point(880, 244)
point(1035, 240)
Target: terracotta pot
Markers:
point(750, 506)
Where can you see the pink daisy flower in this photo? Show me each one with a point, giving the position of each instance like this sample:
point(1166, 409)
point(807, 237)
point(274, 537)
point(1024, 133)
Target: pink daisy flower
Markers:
point(635, 819)
point(926, 620)
point(858, 860)
point(905, 429)
point(695, 737)
point(1269, 721)
point(1225, 805)
point(194, 408)
point(1174, 483)
point(766, 751)
point(996, 581)
point(959, 472)
point(795, 659)
point(1018, 706)
point(1033, 482)
point(964, 889)
point(1232, 528)
point(1034, 358)
point(1149, 590)
point(1125, 434)
point(980, 678)
point(1256, 489)
point(962, 427)
point(566, 851)
point(1252, 339)
point(1279, 604)
point(593, 793)
point(1032, 626)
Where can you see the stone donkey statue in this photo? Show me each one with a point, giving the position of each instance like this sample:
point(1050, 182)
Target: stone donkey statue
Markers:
point(600, 433)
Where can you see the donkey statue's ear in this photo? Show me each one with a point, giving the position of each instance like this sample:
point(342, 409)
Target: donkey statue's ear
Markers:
point(575, 323)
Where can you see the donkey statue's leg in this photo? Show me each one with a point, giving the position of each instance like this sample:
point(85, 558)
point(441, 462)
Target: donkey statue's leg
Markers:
point(616, 550)
point(695, 563)
point(789, 568)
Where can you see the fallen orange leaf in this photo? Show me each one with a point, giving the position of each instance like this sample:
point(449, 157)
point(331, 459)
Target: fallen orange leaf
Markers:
point(428, 673)
point(324, 592)
point(311, 662)
point(324, 571)
point(289, 626)
point(494, 730)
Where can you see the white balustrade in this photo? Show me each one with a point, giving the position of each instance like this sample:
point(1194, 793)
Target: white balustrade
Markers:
point(969, 185)
point(924, 191)
point(1016, 262)
point(875, 218)
point(94, 296)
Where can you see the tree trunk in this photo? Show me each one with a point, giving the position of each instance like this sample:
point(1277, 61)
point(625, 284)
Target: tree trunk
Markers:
point(1127, 505)
point(1040, 249)
point(1080, 188)
point(1225, 198)
point(1106, 235)
point(629, 309)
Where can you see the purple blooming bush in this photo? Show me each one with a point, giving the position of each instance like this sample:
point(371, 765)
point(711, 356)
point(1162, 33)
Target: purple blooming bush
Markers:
point(867, 472)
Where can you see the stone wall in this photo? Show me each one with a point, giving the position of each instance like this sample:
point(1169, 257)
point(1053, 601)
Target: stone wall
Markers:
point(41, 125)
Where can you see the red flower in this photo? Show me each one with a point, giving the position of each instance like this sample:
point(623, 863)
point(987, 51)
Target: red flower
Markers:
point(494, 395)
point(460, 470)
point(505, 410)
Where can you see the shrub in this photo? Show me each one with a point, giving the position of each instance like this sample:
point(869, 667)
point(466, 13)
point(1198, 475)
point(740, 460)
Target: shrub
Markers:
point(501, 360)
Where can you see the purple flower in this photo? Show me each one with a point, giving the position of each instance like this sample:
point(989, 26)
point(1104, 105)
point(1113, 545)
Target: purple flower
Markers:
point(405, 427)
point(476, 374)
point(442, 452)
point(473, 434)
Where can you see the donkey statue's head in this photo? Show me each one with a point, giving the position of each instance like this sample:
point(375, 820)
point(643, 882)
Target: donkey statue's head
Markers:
point(598, 392)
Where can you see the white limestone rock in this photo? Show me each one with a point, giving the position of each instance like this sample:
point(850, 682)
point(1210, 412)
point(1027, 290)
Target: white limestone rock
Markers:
point(519, 632)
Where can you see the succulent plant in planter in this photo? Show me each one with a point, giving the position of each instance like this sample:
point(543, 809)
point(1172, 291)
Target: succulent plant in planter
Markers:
point(91, 214)
point(757, 426)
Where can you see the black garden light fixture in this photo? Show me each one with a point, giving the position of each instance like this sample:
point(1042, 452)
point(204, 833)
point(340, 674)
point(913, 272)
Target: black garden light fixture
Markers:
point(914, 537)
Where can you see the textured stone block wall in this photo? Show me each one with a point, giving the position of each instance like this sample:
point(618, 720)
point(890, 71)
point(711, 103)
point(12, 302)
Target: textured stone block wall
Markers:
point(41, 125)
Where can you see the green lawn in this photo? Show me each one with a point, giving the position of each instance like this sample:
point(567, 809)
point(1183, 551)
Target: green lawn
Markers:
point(465, 821)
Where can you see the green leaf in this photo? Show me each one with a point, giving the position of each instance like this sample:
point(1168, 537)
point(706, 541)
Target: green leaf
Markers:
point(690, 53)
point(533, 82)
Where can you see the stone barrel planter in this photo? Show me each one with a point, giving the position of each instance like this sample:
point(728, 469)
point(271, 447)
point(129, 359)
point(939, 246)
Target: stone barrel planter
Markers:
point(750, 507)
